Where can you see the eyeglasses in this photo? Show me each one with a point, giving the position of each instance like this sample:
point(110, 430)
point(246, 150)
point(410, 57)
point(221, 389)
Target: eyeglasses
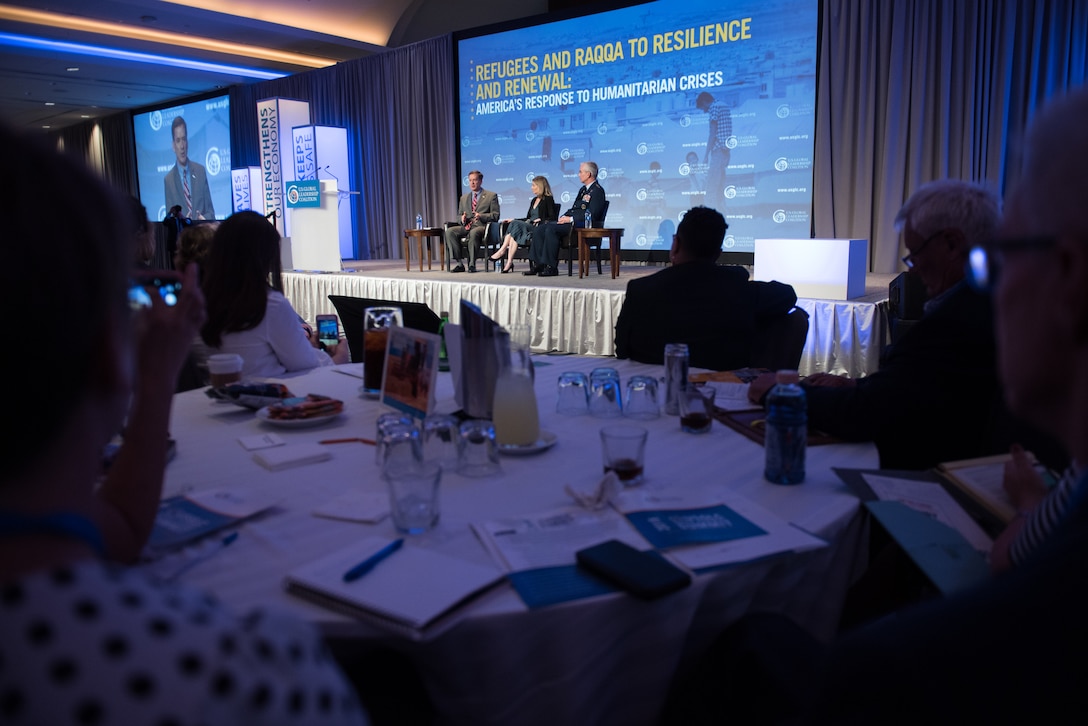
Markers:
point(984, 262)
point(908, 260)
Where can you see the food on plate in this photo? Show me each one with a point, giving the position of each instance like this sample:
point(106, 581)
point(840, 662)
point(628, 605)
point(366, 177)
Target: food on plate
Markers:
point(311, 406)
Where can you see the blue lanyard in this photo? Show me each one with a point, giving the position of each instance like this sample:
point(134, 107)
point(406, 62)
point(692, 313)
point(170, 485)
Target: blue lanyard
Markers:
point(67, 524)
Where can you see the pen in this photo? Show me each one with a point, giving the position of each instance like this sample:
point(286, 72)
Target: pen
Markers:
point(348, 441)
point(370, 562)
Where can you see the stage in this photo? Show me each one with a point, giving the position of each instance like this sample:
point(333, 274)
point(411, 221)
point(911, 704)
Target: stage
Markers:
point(572, 315)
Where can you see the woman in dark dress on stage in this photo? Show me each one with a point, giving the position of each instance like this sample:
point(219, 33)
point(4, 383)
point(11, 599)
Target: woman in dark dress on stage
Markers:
point(520, 232)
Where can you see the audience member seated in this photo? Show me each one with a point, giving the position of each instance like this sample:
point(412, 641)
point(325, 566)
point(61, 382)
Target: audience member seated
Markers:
point(1038, 510)
point(1009, 650)
point(476, 209)
point(194, 243)
point(542, 208)
point(544, 248)
point(142, 232)
point(85, 639)
point(935, 396)
point(247, 311)
point(715, 309)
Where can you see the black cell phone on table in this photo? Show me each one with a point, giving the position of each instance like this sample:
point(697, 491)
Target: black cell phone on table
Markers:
point(328, 329)
point(645, 575)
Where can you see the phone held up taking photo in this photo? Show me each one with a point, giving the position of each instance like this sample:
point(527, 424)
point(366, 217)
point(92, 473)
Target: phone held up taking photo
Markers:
point(328, 329)
point(143, 283)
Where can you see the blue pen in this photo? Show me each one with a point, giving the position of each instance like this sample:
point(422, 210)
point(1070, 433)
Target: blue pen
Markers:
point(370, 562)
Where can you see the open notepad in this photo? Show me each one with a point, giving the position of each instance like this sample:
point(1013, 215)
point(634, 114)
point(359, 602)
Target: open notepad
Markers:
point(413, 592)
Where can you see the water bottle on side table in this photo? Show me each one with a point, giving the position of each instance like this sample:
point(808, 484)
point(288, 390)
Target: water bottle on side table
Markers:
point(419, 221)
point(787, 430)
point(589, 220)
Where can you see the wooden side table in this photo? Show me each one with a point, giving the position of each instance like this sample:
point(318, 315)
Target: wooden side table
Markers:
point(420, 235)
point(612, 234)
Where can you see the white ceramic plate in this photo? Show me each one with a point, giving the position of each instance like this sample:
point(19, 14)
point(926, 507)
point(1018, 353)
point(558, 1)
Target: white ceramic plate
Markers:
point(546, 441)
point(296, 423)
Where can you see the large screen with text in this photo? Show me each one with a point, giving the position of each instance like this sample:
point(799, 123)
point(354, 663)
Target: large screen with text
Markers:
point(183, 158)
point(679, 104)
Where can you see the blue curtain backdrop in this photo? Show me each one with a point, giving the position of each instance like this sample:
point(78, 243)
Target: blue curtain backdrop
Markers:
point(907, 92)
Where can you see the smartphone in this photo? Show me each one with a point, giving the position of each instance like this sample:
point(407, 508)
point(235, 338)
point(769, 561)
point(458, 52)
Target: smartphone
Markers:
point(645, 575)
point(139, 297)
point(328, 329)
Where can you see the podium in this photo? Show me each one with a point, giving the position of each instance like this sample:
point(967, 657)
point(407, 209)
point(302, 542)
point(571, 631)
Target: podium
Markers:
point(314, 244)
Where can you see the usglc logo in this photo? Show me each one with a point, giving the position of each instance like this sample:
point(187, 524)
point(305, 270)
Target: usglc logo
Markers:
point(602, 173)
point(730, 242)
point(641, 149)
point(464, 141)
point(496, 160)
point(155, 120)
point(780, 164)
point(529, 177)
point(565, 154)
point(530, 135)
point(213, 162)
point(292, 194)
point(731, 142)
point(602, 129)
point(684, 169)
point(685, 121)
point(641, 195)
point(782, 111)
point(730, 192)
point(641, 240)
point(779, 216)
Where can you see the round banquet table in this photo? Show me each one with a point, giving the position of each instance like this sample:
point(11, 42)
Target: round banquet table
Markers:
point(603, 660)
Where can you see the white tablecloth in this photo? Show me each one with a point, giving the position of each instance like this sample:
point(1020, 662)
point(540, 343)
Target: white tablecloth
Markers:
point(604, 660)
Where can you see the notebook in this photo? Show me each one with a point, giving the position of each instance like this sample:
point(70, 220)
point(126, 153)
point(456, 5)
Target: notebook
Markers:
point(414, 592)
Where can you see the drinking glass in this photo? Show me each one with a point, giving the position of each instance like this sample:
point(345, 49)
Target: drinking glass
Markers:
point(697, 409)
point(377, 322)
point(573, 394)
point(479, 455)
point(605, 398)
point(400, 446)
point(622, 450)
point(385, 421)
point(413, 495)
point(641, 402)
point(442, 440)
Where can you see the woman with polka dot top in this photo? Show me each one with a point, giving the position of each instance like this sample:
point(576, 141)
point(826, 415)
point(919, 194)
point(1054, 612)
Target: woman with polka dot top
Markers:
point(84, 640)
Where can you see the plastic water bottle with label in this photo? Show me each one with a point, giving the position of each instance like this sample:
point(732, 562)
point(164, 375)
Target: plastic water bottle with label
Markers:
point(787, 430)
point(419, 221)
point(589, 220)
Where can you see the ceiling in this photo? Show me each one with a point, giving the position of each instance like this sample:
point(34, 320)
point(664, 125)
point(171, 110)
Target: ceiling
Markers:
point(68, 81)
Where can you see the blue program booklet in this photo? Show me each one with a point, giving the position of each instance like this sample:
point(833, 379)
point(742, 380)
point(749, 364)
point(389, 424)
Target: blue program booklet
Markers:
point(187, 518)
point(667, 528)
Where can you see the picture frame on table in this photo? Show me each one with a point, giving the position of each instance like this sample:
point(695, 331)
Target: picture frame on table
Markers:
point(411, 368)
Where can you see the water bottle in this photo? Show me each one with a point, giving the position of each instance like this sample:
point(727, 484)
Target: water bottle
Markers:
point(419, 221)
point(443, 356)
point(787, 430)
point(676, 376)
point(589, 219)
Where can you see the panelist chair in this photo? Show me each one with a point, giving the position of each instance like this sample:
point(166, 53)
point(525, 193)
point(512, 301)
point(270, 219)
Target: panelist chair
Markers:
point(570, 243)
point(779, 344)
point(491, 241)
point(352, 314)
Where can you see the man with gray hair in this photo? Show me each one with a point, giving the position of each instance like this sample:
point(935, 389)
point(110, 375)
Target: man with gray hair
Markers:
point(935, 396)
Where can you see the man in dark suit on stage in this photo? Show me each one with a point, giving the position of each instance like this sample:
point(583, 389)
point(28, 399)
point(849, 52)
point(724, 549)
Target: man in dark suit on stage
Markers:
point(476, 209)
point(936, 396)
point(186, 185)
point(715, 309)
point(544, 249)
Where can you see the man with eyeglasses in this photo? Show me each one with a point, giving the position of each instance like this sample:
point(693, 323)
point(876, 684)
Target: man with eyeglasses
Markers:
point(935, 397)
point(1010, 650)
